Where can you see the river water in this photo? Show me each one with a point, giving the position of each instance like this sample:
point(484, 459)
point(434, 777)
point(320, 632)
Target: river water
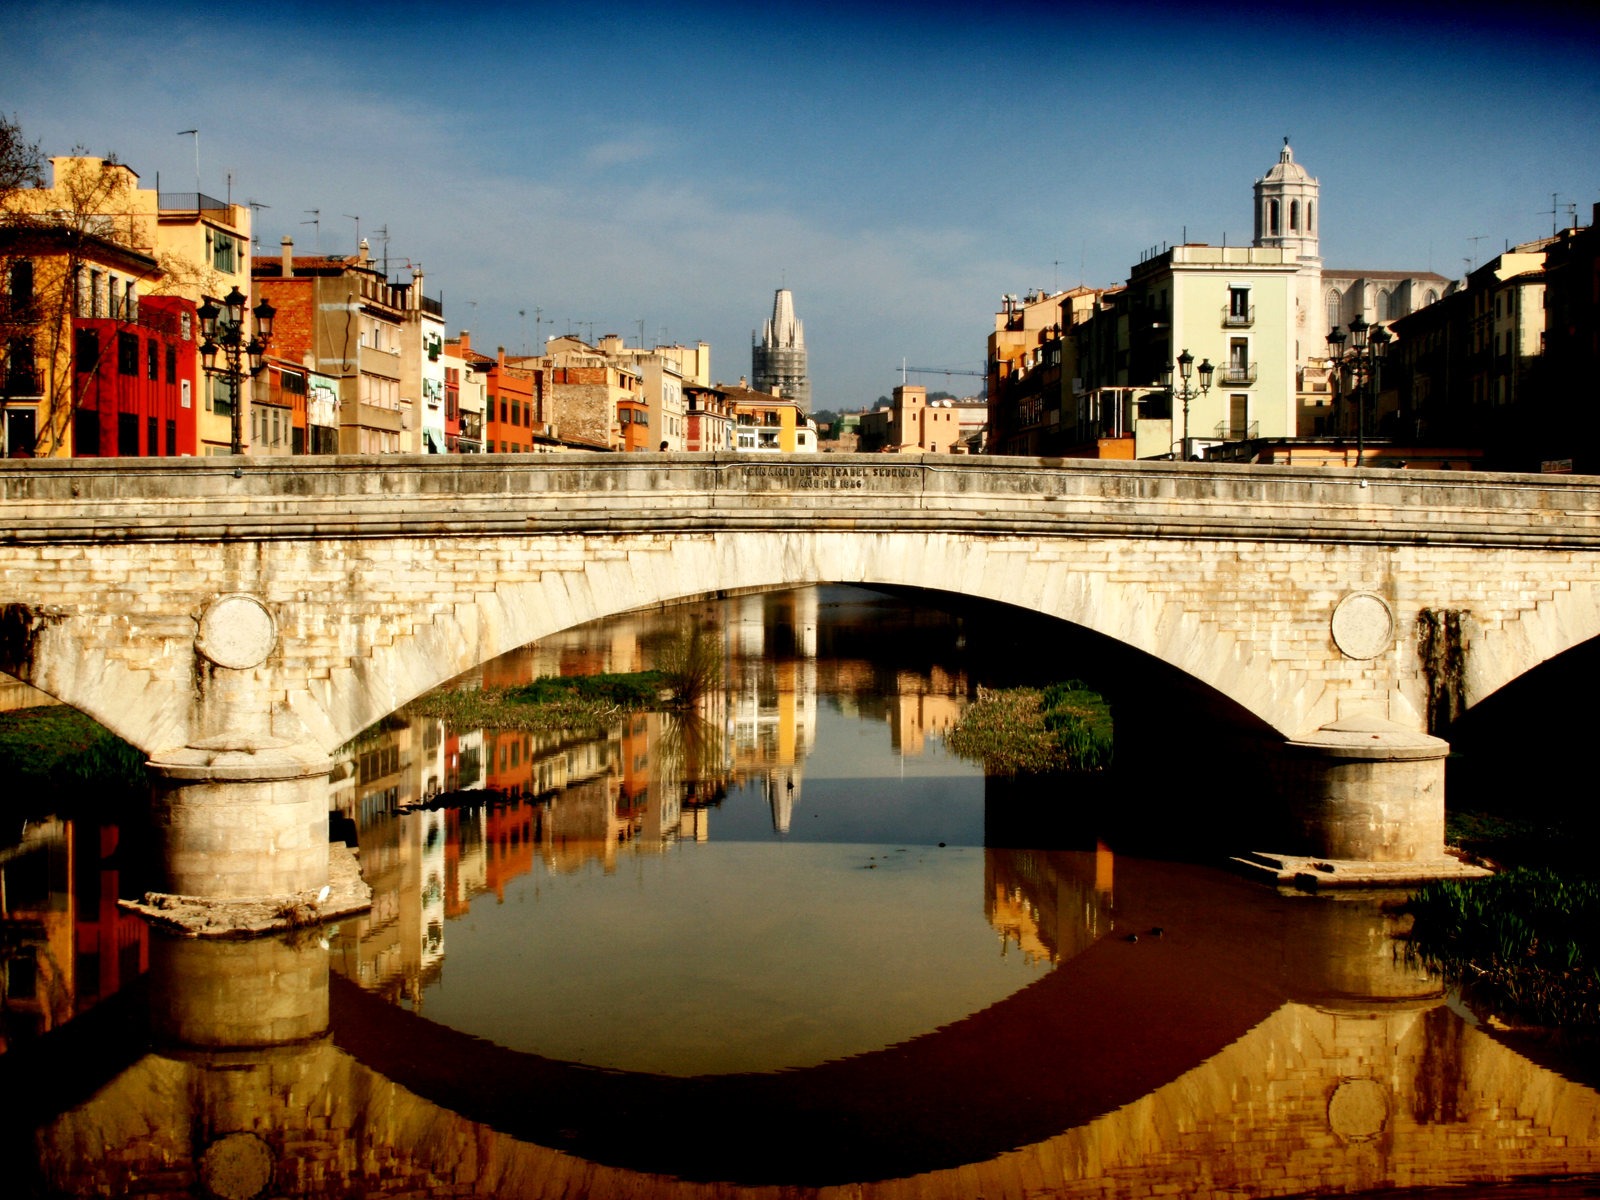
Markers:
point(787, 946)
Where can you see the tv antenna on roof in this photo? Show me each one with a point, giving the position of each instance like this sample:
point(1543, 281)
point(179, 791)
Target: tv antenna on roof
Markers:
point(316, 227)
point(255, 206)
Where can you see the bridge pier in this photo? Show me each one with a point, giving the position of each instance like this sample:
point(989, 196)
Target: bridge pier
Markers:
point(243, 834)
point(1365, 799)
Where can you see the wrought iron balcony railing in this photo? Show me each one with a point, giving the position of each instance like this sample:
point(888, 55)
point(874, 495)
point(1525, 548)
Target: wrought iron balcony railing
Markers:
point(22, 383)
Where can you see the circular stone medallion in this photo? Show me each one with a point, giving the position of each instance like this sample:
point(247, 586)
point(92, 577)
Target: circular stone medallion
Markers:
point(1358, 1109)
point(1362, 625)
point(237, 1167)
point(237, 632)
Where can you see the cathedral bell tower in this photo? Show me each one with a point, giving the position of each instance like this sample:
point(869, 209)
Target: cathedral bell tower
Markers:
point(1286, 207)
point(1287, 216)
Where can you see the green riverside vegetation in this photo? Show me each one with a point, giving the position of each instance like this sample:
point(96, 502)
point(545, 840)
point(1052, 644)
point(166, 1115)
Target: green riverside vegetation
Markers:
point(56, 759)
point(1033, 731)
point(1525, 943)
point(550, 703)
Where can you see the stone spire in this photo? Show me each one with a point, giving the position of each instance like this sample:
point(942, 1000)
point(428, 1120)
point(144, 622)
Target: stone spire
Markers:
point(778, 355)
point(782, 330)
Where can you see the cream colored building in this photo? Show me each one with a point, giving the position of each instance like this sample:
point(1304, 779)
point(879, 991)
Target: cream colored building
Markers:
point(1231, 307)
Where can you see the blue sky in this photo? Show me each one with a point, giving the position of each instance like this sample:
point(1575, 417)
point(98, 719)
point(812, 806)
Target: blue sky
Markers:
point(559, 168)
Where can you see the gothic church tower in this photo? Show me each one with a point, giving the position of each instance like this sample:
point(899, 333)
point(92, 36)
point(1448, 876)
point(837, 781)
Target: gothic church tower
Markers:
point(778, 358)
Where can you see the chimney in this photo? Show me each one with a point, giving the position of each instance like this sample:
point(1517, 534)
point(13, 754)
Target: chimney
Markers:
point(288, 256)
point(365, 252)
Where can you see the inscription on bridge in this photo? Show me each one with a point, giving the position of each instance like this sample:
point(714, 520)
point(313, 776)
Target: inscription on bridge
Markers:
point(821, 477)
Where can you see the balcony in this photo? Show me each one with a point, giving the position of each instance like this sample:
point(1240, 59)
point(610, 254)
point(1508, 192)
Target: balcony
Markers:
point(1228, 432)
point(1236, 375)
point(23, 383)
point(1238, 318)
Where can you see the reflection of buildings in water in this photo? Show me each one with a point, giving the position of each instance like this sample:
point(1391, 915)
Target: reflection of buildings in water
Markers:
point(1050, 904)
point(557, 799)
point(66, 943)
point(781, 787)
point(464, 760)
point(431, 770)
point(916, 705)
point(918, 715)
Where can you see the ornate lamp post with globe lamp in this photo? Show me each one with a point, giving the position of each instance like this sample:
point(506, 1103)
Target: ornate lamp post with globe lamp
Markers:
point(1363, 360)
point(1186, 391)
point(223, 329)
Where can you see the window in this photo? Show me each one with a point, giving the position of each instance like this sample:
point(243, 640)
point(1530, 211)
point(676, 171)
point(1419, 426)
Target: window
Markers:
point(127, 435)
point(86, 350)
point(153, 359)
point(172, 364)
point(152, 437)
point(127, 354)
point(21, 283)
point(85, 433)
point(1294, 215)
point(172, 439)
point(1272, 218)
point(1334, 310)
point(1310, 228)
point(224, 252)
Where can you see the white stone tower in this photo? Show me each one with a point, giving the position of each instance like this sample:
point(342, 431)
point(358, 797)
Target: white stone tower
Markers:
point(778, 355)
point(1288, 212)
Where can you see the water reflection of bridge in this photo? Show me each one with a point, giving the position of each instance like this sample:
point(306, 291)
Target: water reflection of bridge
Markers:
point(1262, 1045)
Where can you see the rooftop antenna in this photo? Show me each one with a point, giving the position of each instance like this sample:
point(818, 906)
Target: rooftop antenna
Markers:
point(194, 133)
point(1555, 211)
point(1472, 262)
point(522, 319)
point(255, 206)
point(382, 234)
point(316, 226)
point(640, 324)
point(357, 220)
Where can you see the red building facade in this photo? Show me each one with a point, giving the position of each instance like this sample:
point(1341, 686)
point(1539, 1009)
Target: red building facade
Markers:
point(133, 381)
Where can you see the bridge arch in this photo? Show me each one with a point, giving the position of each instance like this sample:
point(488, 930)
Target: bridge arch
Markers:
point(620, 575)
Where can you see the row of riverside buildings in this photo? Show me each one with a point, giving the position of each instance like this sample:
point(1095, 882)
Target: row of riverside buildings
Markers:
point(1498, 369)
point(102, 288)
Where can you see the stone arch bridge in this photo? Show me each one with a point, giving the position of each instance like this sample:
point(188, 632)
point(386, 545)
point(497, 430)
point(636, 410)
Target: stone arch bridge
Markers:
point(238, 620)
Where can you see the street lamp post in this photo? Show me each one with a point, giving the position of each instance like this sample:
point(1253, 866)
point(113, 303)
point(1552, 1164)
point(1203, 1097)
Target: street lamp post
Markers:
point(1364, 360)
point(223, 329)
point(1186, 390)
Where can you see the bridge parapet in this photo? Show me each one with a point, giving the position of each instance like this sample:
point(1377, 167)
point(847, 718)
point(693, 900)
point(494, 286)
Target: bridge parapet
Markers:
point(251, 499)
